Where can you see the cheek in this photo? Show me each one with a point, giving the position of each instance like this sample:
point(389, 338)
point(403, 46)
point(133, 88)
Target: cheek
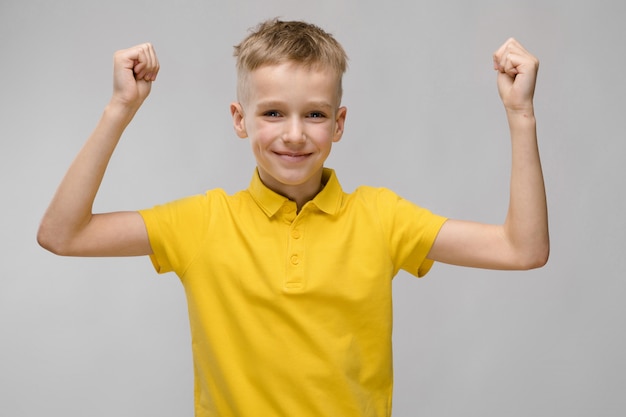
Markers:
point(261, 137)
point(322, 133)
point(267, 132)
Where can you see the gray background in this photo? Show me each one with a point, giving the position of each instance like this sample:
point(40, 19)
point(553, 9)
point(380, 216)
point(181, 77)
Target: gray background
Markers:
point(108, 337)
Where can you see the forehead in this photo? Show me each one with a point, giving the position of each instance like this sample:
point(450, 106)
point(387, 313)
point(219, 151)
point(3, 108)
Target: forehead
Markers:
point(292, 80)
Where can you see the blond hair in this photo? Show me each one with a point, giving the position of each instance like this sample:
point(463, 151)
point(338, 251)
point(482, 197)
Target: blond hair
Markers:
point(275, 42)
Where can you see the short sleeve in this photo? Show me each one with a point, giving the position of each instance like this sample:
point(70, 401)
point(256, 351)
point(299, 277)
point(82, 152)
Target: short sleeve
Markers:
point(411, 232)
point(176, 230)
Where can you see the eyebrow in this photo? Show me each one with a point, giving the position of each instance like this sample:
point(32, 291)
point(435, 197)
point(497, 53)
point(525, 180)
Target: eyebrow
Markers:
point(323, 105)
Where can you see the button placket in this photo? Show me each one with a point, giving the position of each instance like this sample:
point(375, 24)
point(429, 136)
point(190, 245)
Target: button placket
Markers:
point(289, 212)
point(295, 258)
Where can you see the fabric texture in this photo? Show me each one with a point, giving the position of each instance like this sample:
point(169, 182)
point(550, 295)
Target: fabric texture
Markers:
point(291, 313)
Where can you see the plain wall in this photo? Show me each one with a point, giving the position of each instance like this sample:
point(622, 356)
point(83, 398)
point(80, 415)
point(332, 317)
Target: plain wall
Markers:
point(108, 337)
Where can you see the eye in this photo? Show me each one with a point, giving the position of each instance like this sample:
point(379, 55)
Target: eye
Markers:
point(317, 115)
point(271, 113)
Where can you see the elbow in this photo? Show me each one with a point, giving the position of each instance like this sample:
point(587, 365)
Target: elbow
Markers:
point(45, 240)
point(51, 241)
point(535, 263)
point(535, 258)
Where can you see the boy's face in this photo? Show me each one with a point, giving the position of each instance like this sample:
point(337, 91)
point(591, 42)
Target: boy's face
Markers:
point(291, 116)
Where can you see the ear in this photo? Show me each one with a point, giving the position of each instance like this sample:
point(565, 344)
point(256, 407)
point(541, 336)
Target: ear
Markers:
point(340, 121)
point(238, 120)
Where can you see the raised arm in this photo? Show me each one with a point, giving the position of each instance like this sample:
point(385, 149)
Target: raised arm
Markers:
point(69, 227)
point(522, 242)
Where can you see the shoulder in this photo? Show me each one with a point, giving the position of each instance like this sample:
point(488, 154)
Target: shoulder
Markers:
point(189, 208)
point(367, 191)
point(377, 203)
point(391, 206)
point(207, 198)
point(374, 196)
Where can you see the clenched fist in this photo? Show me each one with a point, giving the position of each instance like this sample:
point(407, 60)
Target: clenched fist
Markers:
point(134, 70)
point(517, 75)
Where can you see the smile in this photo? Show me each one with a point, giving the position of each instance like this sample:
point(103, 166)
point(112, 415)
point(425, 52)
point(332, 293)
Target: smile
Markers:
point(292, 156)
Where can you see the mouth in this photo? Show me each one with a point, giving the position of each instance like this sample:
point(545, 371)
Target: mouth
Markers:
point(292, 156)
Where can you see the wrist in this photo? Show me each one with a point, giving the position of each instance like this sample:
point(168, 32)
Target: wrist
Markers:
point(121, 111)
point(521, 114)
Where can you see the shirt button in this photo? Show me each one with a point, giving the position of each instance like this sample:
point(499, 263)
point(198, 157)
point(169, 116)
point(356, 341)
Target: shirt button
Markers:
point(295, 260)
point(295, 234)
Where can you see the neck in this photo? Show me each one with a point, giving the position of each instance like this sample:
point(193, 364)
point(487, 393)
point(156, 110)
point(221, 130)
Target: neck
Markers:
point(299, 193)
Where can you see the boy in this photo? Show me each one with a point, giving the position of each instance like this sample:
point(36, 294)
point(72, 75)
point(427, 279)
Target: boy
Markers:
point(288, 283)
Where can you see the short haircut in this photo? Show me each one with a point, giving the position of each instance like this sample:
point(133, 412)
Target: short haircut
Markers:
point(275, 42)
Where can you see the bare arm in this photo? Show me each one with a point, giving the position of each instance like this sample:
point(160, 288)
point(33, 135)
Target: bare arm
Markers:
point(522, 242)
point(69, 227)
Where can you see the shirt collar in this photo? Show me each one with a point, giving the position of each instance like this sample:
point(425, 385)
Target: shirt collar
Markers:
point(327, 200)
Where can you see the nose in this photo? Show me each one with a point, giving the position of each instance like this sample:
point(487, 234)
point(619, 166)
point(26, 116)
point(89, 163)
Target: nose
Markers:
point(294, 131)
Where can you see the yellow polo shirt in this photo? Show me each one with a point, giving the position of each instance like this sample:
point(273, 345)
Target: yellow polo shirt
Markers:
point(291, 314)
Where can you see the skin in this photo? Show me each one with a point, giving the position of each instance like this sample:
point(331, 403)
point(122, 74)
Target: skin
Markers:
point(69, 227)
point(522, 241)
point(292, 117)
